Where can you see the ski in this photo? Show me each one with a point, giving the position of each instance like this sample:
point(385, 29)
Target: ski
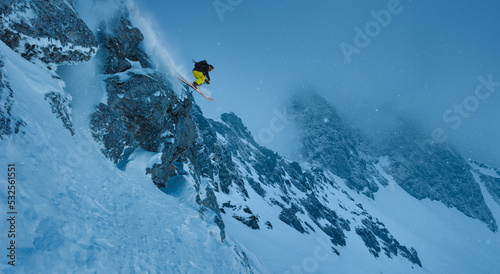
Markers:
point(191, 85)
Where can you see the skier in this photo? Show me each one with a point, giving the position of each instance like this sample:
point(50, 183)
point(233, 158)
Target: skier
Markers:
point(200, 71)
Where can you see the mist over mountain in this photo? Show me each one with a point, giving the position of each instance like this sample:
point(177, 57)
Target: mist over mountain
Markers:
point(116, 166)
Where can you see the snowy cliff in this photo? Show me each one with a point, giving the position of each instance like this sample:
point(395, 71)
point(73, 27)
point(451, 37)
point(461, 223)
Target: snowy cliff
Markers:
point(47, 32)
point(120, 171)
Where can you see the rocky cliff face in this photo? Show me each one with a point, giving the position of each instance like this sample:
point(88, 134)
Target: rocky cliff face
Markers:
point(49, 33)
point(8, 124)
point(241, 173)
point(438, 172)
point(143, 111)
point(328, 142)
point(425, 170)
point(490, 178)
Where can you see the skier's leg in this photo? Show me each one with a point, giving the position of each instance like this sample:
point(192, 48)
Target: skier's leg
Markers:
point(200, 78)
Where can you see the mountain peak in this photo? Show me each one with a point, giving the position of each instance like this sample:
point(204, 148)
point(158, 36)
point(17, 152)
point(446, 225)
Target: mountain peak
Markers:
point(328, 142)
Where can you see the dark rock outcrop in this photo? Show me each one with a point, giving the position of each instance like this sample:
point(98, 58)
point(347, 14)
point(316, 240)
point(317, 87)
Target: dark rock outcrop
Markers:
point(142, 110)
point(492, 184)
point(46, 31)
point(60, 107)
point(120, 44)
point(326, 141)
point(377, 238)
point(8, 124)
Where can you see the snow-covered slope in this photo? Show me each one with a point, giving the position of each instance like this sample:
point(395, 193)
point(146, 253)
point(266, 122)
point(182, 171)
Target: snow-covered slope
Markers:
point(296, 218)
point(77, 212)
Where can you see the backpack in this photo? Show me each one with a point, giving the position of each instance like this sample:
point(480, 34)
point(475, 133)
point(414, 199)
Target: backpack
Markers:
point(200, 66)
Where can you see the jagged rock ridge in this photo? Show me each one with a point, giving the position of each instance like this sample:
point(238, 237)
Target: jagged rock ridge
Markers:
point(46, 31)
point(424, 170)
point(438, 172)
point(8, 124)
point(233, 162)
point(327, 142)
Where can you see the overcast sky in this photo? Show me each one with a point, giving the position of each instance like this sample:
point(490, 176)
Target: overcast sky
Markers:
point(375, 61)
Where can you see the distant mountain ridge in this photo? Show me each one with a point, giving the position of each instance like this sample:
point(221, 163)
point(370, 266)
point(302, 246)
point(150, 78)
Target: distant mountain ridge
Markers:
point(438, 172)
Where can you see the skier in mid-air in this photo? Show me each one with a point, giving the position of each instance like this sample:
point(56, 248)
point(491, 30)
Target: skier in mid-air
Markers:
point(200, 71)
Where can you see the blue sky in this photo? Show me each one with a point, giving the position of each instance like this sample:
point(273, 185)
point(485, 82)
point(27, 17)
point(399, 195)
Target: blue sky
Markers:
point(424, 62)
